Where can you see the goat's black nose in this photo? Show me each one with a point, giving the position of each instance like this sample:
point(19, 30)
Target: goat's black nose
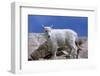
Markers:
point(48, 36)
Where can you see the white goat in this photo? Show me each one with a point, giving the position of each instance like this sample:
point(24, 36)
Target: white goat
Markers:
point(61, 37)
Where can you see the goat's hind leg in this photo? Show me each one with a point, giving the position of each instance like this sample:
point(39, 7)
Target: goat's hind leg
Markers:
point(73, 53)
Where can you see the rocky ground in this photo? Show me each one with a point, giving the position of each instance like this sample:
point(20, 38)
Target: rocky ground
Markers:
point(37, 43)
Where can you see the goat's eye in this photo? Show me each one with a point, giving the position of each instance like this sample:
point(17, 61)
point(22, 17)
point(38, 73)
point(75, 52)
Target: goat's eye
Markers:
point(46, 31)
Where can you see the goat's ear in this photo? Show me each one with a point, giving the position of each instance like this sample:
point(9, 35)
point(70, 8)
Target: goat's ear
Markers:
point(51, 26)
point(43, 26)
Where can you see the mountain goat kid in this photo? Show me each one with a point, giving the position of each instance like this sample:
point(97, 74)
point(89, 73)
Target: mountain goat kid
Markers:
point(59, 37)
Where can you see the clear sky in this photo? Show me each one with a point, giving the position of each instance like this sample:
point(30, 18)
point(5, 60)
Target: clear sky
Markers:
point(78, 24)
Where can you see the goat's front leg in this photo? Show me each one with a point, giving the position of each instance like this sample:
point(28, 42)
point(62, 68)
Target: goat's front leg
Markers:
point(54, 52)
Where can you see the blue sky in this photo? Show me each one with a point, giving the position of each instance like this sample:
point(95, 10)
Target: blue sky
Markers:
point(78, 24)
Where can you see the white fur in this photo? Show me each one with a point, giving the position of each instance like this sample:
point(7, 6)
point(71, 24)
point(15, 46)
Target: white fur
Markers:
point(60, 37)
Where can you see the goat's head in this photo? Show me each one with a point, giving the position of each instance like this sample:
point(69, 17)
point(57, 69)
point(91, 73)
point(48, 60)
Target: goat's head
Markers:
point(47, 30)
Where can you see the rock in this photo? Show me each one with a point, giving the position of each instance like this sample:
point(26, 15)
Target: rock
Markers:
point(41, 52)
